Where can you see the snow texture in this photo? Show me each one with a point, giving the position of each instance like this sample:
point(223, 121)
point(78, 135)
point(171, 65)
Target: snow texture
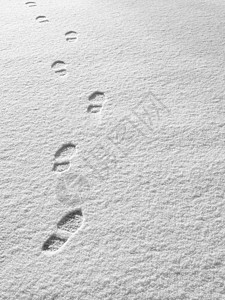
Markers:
point(112, 150)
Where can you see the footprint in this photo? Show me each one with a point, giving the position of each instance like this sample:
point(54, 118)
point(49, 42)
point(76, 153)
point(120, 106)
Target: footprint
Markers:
point(65, 151)
point(97, 100)
point(59, 67)
point(61, 166)
point(66, 228)
point(31, 3)
point(42, 19)
point(62, 157)
point(71, 36)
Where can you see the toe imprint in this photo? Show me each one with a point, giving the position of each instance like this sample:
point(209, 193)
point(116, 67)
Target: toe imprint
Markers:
point(97, 96)
point(72, 221)
point(65, 151)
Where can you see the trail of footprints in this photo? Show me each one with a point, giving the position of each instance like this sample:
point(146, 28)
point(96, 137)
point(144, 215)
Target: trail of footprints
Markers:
point(73, 220)
point(59, 66)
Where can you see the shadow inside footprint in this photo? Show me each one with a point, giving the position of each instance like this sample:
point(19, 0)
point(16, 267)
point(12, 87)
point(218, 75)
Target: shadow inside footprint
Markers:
point(96, 96)
point(71, 222)
point(53, 243)
point(94, 108)
point(61, 166)
point(65, 151)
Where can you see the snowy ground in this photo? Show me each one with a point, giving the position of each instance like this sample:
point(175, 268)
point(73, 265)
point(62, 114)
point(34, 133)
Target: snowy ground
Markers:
point(112, 150)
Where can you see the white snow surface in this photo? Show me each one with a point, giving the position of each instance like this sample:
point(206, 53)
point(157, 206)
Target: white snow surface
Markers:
point(112, 110)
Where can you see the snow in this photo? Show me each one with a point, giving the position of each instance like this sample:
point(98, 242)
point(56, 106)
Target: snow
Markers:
point(112, 150)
